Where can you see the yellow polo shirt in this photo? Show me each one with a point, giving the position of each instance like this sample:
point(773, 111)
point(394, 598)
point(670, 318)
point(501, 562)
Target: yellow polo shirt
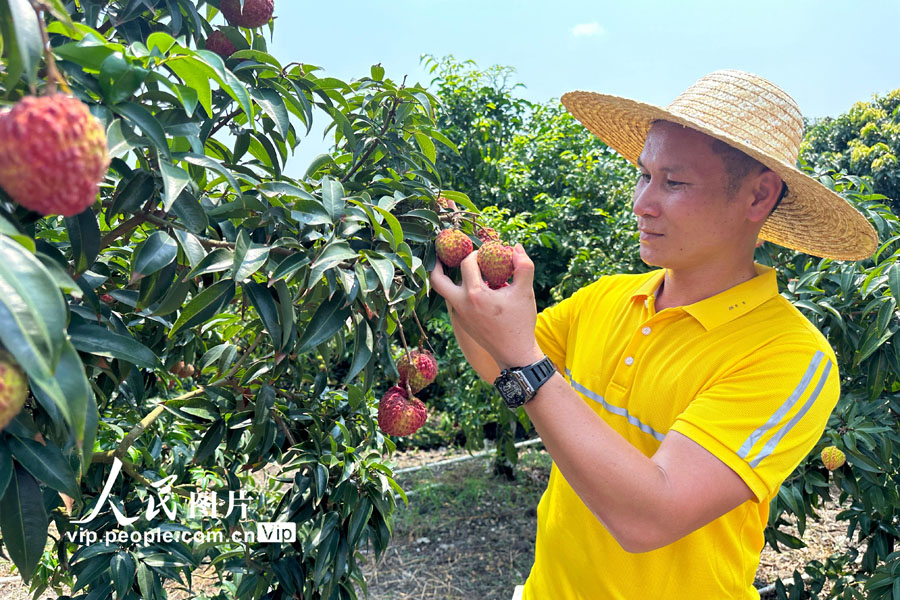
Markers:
point(743, 373)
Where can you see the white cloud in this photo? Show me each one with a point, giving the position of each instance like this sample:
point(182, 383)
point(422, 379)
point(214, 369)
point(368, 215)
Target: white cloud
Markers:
point(584, 29)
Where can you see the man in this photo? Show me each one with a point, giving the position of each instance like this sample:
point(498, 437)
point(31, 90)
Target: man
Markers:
point(682, 397)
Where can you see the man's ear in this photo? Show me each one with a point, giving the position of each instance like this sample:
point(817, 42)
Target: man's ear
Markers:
point(766, 190)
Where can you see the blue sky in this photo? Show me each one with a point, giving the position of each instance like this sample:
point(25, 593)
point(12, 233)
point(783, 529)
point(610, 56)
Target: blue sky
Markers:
point(826, 54)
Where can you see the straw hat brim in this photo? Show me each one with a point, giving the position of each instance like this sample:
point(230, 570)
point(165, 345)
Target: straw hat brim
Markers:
point(811, 218)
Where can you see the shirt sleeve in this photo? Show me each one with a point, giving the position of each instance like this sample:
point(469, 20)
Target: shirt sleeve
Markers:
point(765, 415)
point(555, 322)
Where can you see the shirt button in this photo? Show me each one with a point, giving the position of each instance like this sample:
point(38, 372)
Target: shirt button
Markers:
point(645, 331)
point(629, 361)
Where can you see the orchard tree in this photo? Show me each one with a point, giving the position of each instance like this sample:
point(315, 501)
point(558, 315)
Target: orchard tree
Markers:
point(203, 325)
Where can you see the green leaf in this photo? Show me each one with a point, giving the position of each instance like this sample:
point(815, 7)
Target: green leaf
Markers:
point(383, 268)
point(191, 246)
point(377, 72)
point(335, 253)
point(122, 568)
point(210, 441)
point(175, 179)
point(21, 33)
point(208, 163)
point(140, 116)
point(362, 349)
point(204, 305)
point(394, 224)
point(195, 75)
point(893, 275)
point(190, 212)
point(100, 341)
point(426, 145)
point(327, 321)
point(154, 253)
point(273, 105)
point(32, 311)
point(46, 463)
point(261, 299)
point(118, 142)
point(119, 79)
point(317, 163)
point(248, 257)
point(290, 265)
point(6, 466)
point(132, 193)
point(84, 235)
point(160, 40)
point(333, 198)
point(23, 522)
point(220, 259)
point(231, 84)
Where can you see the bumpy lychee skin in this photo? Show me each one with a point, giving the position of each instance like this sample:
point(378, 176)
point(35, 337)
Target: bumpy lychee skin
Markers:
point(219, 43)
point(421, 372)
point(487, 234)
point(53, 154)
point(833, 458)
point(452, 246)
point(255, 13)
point(398, 414)
point(13, 389)
point(443, 202)
point(496, 263)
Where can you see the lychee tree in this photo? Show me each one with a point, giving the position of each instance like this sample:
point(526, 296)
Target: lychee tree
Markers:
point(208, 327)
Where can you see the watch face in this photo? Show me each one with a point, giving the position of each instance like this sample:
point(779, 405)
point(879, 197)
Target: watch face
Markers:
point(511, 391)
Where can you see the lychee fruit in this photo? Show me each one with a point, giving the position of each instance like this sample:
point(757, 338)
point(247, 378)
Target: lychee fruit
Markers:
point(107, 298)
point(452, 246)
point(219, 43)
point(188, 371)
point(255, 13)
point(53, 154)
point(487, 234)
point(399, 414)
point(13, 389)
point(443, 202)
point(832, 457)
point(418, 367)
point(496, 263)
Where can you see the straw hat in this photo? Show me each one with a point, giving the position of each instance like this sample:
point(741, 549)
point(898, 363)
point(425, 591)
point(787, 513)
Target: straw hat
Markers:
point(760, 119)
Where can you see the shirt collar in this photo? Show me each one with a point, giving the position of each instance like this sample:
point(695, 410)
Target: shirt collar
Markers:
point(724, 306)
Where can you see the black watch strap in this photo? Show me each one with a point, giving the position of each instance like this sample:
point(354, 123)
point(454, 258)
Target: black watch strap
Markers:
point(538, 373)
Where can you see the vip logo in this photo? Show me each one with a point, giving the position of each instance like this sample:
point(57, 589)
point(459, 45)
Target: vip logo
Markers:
point(272, 532)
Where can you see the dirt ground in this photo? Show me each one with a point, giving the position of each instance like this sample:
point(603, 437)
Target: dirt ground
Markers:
point(467, 534)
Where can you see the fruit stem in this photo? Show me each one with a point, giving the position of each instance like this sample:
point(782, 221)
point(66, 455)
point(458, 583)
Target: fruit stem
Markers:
point(54, 77)
point(424, 335)
point(406, 354)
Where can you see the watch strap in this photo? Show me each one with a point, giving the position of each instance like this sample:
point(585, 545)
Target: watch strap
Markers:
point(539, 372)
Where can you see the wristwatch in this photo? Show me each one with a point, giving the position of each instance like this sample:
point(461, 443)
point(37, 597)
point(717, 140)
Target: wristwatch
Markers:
point(520, 384)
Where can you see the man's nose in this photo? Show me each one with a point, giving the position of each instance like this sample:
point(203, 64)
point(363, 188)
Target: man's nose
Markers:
point(644, 201)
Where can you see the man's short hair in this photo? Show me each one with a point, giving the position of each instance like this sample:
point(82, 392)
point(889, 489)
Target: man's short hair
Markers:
point(737, 166)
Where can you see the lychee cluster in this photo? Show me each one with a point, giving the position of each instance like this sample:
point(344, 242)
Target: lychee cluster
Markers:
point(254, 13)
point(13, 389)
point(53, 154)
point(180, 369)
point(399, 412)
point(495, 259)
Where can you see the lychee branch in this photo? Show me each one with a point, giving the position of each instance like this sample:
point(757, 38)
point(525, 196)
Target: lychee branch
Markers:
point(406, 354)
point(387, 123)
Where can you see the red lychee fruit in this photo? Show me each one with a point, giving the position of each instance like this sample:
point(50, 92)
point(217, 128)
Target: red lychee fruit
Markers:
point(219, 43)
point(53, 154)
point(452, 246)
point(496, 263)
point(833, 457)
point(443, 202)
point(419, 367)
point(255, 13)
point(13, 389)
point(107, 298)
point(399, 414)
point(487, 234)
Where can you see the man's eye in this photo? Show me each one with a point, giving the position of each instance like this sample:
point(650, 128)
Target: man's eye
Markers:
point(645, 177)
point(671, 183)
